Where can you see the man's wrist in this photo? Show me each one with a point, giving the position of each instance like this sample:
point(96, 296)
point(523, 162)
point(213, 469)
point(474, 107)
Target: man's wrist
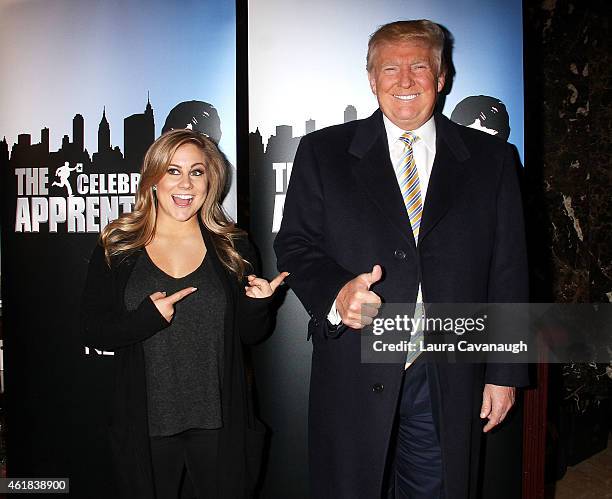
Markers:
point(334, 316)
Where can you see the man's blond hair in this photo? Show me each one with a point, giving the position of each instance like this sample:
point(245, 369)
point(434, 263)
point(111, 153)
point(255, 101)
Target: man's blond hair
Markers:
point(418, 31)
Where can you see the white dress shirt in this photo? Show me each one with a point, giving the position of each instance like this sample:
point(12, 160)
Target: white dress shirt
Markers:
point(424, 151)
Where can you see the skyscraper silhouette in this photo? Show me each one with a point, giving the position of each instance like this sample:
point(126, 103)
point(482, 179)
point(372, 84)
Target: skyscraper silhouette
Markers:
point(78, 132)
point(24, 140)
point(138, 135)
point(107, 159)
point(310, 126)
point(282, 146)
point(26, 154)
point(104, 143)
point(350, 113)
point(44, 140)
point(4, 153)
point(73, 152)
point(256, 150)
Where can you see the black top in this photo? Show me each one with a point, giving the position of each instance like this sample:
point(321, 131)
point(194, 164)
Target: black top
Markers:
point(184, 362)
point(108, 325)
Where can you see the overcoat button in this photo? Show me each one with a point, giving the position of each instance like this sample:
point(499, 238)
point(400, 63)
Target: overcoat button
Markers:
point(378, 387)
point(399, 254)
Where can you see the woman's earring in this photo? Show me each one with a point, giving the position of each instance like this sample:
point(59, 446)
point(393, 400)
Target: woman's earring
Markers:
point(154, 188)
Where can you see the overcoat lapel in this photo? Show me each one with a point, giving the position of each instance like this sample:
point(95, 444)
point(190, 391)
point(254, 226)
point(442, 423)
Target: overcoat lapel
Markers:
point(447, 175)
point(375, 174)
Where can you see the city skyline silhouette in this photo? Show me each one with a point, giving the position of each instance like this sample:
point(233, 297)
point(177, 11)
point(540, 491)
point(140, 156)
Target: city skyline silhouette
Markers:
point(139, 134)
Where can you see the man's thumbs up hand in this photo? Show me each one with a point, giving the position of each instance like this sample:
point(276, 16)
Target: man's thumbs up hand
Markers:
point(356, 304)
point(374, 276)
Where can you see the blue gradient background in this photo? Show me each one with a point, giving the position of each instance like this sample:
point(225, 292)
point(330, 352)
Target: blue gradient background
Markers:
point(307, 59)
point(63, 57)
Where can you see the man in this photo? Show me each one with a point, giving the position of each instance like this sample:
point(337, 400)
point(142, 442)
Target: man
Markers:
point(407, 207)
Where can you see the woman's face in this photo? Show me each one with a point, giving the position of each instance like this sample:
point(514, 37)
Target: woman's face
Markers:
point(183, 187)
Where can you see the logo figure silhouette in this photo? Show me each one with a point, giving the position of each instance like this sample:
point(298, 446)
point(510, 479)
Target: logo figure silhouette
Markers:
point(63, 173)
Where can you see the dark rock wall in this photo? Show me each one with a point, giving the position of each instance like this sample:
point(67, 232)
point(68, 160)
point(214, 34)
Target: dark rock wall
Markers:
point(568, 174)
point(568, 180)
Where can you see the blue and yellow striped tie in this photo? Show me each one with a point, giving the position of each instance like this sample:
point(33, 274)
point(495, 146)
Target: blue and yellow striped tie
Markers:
point(408, 179)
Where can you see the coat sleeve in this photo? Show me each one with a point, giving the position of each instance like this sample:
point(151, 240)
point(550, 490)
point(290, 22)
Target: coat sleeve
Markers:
point(508, 277)
point(315, 277)
point(252, 314)
point(102, 324)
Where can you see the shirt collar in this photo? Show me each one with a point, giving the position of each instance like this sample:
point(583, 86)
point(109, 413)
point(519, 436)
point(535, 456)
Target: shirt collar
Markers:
point(426, 132)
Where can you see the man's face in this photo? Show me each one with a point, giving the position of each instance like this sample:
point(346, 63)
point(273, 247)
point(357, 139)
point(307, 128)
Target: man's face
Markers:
point(404, 77)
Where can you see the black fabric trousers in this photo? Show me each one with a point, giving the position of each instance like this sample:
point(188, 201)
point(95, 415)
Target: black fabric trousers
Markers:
point(418, 458)
point(187, 463)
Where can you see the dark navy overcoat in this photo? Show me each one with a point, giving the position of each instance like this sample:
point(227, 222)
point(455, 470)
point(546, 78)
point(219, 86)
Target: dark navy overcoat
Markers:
point(343, 214)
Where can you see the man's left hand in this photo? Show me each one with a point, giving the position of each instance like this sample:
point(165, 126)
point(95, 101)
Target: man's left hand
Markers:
point(496, 402)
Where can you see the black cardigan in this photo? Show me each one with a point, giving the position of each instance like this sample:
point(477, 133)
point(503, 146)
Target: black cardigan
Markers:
point(106, 324)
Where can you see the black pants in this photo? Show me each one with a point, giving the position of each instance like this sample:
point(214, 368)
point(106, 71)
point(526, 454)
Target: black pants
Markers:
point(418, 459)
point(188, 458)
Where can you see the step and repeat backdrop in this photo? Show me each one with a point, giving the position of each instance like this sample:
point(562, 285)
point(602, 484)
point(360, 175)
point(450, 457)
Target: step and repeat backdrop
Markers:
point(307, 71)
point(88, 87)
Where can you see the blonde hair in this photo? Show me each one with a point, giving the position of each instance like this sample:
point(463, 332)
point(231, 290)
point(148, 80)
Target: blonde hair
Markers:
point(421, 30)
point(133, 231)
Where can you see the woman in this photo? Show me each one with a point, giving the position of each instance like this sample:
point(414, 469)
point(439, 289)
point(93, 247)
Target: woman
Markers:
point(167, 289)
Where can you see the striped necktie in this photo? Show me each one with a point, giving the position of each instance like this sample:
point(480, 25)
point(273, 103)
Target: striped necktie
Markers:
point(408, 179)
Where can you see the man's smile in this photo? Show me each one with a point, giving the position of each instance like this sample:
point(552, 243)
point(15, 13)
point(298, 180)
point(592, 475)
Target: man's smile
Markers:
point(406, 97)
